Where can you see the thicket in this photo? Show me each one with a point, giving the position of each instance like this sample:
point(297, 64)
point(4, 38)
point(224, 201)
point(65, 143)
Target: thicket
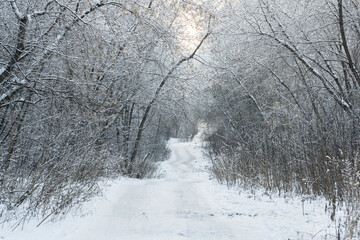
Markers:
point(80, 100)
point(284, 108)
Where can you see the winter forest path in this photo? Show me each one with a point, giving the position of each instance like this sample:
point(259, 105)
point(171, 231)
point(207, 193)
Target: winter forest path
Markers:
point(183, 204)
point(179, 205)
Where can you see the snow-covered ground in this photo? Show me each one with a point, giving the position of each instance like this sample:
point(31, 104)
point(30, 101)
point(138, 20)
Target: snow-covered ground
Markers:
point(184, 203)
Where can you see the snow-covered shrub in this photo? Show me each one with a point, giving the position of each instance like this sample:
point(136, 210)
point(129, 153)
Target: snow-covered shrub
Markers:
point(352, 198)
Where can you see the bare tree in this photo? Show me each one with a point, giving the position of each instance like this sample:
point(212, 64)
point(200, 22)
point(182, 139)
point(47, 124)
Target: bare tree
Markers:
point(78, 84)
point(293, 63)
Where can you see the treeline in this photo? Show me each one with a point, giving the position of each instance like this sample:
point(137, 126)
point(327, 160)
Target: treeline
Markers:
point(284, 103)
point(80, 98)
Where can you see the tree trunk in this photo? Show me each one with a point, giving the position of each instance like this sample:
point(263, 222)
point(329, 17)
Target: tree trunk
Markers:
point(153, 100)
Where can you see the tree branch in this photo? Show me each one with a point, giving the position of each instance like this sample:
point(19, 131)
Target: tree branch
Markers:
point(155, 97)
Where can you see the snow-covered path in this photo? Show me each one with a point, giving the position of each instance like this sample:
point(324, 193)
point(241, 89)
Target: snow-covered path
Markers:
point(174, 207)
point(183, 204)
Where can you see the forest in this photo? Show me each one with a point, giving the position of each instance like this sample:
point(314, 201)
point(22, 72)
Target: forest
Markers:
point(93, 90)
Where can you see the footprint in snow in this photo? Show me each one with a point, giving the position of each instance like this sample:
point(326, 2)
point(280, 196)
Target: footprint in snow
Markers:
point(240, 214)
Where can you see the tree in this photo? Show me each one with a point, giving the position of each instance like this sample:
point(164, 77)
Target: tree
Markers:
point(296, 62)
point(78, 84)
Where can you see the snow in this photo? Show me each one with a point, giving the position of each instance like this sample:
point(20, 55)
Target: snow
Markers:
point(11, 91)
point(18, 14)
point(183, 203)
point(8, 93)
